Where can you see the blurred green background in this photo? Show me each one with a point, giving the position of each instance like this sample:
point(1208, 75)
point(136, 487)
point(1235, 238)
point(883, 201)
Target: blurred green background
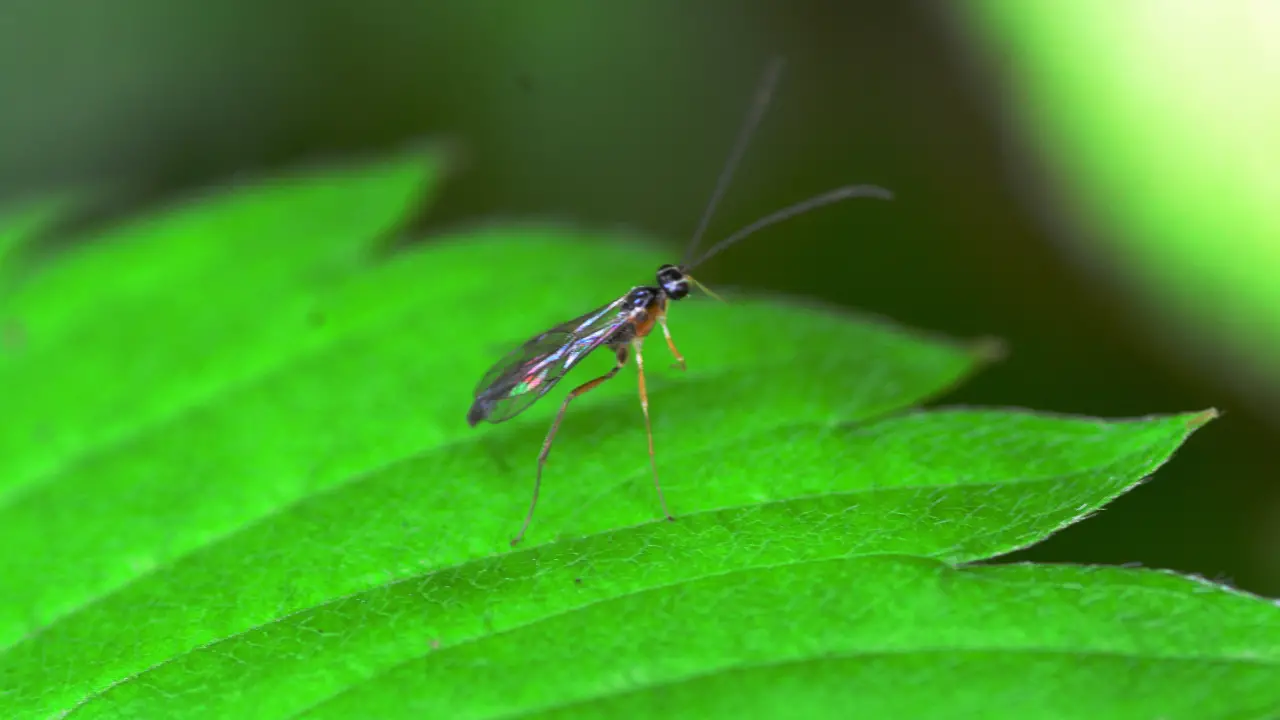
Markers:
point(1090, 182)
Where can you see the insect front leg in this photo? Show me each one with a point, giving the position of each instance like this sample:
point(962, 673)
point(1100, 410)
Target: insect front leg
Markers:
point(679, 363)
point(555, 425)
point(648, 427)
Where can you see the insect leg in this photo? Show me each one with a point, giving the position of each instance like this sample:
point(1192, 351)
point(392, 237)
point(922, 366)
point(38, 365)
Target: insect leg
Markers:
point(551, 434)
point(648, 427)
point(662, 320)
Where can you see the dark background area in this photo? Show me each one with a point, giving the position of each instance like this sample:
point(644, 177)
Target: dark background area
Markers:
point(620, 115)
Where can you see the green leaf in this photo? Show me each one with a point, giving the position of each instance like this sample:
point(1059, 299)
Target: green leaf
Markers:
point(858, 637)
point(244, 500)
point(171, 310)
point(939, 507)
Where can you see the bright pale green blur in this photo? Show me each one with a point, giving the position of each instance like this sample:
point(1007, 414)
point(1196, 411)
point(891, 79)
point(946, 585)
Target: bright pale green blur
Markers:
point(1161, 123)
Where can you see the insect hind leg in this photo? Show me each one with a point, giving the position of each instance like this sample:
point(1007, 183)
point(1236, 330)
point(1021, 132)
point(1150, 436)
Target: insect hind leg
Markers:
point(648, 426)
point(551, 434)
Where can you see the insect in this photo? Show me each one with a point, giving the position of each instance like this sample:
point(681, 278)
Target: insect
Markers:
point(529, 371)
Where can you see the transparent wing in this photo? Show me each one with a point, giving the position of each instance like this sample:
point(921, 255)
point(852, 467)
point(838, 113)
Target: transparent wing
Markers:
point(529, 371)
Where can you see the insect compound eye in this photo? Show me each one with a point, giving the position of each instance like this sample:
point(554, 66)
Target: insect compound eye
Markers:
point(678, 289)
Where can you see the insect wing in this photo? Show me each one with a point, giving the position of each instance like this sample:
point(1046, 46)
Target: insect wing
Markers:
point(529, 371)
point(525, 375)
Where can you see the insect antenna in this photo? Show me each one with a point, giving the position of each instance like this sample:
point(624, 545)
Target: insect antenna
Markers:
point(804, 206)
point(764, 93)
point(703, 288)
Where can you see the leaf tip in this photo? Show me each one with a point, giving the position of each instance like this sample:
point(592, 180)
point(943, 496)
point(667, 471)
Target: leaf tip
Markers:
point(440, 156)
point(988, 350)
point(1202, 418)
